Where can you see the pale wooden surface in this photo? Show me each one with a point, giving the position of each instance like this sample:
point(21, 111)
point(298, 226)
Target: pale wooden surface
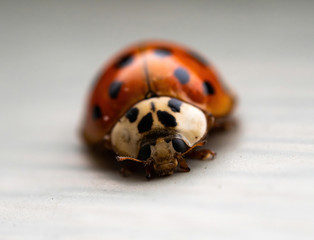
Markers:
point(260, 186)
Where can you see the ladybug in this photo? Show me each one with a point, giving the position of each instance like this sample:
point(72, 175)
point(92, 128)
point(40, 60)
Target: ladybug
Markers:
point(154, 103)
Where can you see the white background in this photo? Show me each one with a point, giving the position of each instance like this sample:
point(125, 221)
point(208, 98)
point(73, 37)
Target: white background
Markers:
point(261, 184)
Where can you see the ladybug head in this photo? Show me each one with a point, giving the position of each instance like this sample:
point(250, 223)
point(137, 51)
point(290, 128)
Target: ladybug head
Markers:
point(162, 155)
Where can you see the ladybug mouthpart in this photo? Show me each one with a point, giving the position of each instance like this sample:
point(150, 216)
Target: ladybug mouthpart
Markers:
point(161, 168)
point(166, 168)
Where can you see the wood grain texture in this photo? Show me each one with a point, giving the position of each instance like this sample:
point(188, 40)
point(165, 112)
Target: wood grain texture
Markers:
point(259, 186)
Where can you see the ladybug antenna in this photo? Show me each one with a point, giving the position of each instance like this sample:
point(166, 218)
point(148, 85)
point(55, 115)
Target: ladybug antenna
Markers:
point(121, 159)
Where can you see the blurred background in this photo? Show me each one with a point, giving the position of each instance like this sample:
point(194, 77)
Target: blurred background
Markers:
point(259, 186)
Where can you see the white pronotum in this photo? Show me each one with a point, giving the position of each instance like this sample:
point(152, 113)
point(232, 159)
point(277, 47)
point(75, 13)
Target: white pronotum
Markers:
point(155, 115)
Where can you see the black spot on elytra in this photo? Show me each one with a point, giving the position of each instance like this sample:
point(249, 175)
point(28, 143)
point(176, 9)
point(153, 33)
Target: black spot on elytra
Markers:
point(166, 119)
point(208, 88)
point(144, 152)
point(146, 123)
point(200, 59)
point(182, 75)
point(132, 114)
point(97, 112)
point(179, 145)
point(152, 106)
point(114, 89)
point(124, 61)
point(175, 104)
point(163, 52)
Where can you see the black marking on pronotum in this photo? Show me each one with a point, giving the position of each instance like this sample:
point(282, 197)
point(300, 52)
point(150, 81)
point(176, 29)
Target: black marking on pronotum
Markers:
point(179, 145)
point(208, 88)
point(144, 152)
point(163, 52)
point(124, 61)
point(175, 104)
point(114, 89)
point(182, 75)
point(166, 119)
point(146, 123)
point(97, 112)
point(200, 59)
point(152, 106)
point(158, 133)
point(132, 114)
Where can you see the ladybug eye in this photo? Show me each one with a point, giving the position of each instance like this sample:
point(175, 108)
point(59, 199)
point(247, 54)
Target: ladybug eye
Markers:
point(144, 152)
point(179, 145)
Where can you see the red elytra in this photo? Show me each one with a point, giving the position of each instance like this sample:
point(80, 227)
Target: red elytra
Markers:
point(153, 68)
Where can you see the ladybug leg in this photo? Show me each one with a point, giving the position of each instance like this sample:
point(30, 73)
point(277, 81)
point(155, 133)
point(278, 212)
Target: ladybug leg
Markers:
point(201, 154)
point(182, 164)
